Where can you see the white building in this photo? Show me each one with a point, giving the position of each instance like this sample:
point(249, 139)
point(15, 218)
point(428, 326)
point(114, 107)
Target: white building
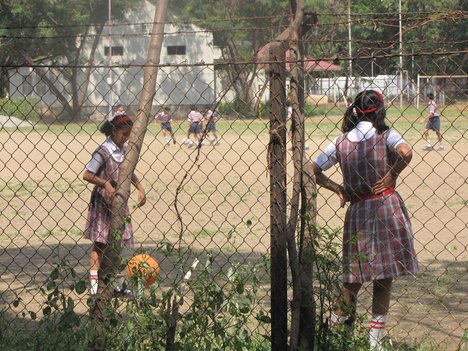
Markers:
point(186, 75)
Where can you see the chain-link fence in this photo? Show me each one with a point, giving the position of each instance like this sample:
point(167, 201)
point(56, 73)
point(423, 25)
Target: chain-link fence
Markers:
point(212, 202)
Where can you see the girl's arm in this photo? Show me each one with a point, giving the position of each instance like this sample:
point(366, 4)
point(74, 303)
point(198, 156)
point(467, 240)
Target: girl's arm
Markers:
point(141, 191)
point(431, 114)
point(327, 183)
point(423, 119)
point(389, 180)
point(94, 179)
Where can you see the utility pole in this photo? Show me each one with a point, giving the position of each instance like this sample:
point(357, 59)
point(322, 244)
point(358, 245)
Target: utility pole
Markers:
point(350, 49)
point(109, 77)
point(401, 52)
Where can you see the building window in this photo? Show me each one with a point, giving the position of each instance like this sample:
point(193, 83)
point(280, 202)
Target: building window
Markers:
point(116, 51)
point(176, 50)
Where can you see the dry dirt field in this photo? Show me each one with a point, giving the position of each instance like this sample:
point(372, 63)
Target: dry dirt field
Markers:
point(223, 203)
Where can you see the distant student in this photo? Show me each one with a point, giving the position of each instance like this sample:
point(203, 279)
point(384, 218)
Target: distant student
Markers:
point(165, 118)
point(195, 119)
point(103, 171)
point(119, 111)
point(211, 126)
point(433, 122)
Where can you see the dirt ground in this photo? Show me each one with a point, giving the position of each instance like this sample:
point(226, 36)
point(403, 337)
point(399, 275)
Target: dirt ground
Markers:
point(223, 203)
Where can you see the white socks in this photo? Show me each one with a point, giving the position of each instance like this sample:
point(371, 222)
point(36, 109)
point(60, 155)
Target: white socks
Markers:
point(119, 283)
point(93, 279)
point(335, 319)
point(377, 331)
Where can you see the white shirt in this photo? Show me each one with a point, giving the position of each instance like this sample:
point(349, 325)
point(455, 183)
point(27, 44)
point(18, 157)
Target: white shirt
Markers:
point(363, 131)
point(97, 161)
point(433, 109)
point(194, 116)
point(290, 112)
point(208, 114)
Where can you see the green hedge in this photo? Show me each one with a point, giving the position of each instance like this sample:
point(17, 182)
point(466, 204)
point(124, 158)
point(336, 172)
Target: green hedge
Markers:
point(26, 109)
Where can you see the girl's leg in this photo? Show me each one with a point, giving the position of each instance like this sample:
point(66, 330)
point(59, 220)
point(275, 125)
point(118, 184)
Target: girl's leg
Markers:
point(440, 140)
point(216, 136)
point(426, 137)
point(95, 264)
point(197, 139)
point(345, 306)
point(380, 306)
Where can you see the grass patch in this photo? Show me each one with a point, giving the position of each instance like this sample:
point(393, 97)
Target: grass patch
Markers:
point(205, 233)
point(44, 188)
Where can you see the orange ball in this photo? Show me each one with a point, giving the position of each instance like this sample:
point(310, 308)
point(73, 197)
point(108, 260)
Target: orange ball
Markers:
point(145, 266)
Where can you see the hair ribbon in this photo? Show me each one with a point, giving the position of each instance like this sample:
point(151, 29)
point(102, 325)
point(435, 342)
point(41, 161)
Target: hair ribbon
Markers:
point(121, 119)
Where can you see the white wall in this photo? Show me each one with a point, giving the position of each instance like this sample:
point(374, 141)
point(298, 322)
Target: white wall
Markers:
point(178, 84)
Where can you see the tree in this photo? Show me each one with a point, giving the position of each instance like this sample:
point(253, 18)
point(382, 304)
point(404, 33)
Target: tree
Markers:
point(428, 26)
point(240, 29)
point(56, 32)
point(112, 253)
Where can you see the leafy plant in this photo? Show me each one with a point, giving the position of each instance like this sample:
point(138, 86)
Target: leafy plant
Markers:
point(25, 109)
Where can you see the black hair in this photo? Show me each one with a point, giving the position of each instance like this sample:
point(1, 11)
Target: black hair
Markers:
point(430, 96)
point(367, 106)
point(118, 122)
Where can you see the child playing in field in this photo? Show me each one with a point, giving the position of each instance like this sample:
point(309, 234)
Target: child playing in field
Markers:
point(211, 125)
point(377, 236)
point(119, 111)
point(103, 171)
point(433, 122)
point(195, 119)
point(165, 119)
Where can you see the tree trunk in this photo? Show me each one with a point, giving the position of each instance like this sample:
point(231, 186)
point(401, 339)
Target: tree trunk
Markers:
point(302, 311)
point(111, 257)
point(277, 168)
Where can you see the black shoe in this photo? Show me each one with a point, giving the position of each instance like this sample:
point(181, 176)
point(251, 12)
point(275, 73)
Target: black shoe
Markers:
point(175, 142)
point(123, 292)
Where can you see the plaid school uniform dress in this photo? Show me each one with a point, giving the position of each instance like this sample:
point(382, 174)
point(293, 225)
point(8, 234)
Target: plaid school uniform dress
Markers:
point(98, 219)
point(377, 238)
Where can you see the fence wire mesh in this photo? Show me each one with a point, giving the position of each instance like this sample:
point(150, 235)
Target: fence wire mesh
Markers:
point(213, 202)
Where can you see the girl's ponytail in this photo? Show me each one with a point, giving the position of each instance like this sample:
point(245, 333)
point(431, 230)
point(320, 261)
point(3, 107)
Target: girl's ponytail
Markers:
point(367, 106)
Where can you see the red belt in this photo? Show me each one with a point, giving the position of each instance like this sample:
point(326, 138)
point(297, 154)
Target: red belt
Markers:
point(359, 198)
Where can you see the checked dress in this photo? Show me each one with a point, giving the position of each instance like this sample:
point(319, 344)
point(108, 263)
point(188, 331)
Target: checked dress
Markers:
point(377, 238)
point(98, 219)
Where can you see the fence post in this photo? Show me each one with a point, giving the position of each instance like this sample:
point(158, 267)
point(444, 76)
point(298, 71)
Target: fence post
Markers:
point(277, 167)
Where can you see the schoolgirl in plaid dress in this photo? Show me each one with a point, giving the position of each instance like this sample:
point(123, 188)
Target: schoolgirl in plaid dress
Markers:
point(377, 236)
point(103, 171)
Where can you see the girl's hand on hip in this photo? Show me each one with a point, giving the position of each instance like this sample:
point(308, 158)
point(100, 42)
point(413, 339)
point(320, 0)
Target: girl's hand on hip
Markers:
point(388, 181)
point(341, 195)
point(141, 198)
point(110, 190)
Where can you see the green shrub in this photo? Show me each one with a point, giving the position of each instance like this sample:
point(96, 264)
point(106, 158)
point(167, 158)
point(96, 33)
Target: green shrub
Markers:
point(219, 316)
point(321, 110)
point(25, 109)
